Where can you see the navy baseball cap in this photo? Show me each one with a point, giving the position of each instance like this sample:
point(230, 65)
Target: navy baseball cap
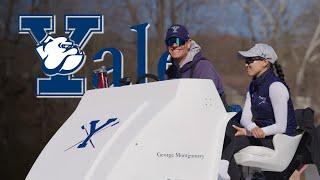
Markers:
point(178, 31)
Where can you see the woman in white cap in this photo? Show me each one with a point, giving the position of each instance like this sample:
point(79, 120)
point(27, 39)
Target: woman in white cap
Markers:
point(268, 109)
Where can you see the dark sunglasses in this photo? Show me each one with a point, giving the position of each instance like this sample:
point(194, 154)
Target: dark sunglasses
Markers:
point(175, 40)
point(250, 60)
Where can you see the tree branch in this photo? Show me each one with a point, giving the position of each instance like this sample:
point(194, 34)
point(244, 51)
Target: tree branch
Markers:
point(132, 11)
point(266, 11)
point(314, 58)
point(295, 55)
point(314, 43)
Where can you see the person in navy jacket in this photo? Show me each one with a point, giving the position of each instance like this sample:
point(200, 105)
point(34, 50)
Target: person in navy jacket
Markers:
point(268, 108)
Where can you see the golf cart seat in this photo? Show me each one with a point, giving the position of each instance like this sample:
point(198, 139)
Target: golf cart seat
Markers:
point(267, 159)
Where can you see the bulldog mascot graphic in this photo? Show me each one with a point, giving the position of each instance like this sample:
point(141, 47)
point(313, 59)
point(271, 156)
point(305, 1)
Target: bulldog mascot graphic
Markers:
point(60, 56)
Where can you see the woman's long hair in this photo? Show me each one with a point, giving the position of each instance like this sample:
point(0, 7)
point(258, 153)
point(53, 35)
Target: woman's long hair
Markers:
point(279, 70)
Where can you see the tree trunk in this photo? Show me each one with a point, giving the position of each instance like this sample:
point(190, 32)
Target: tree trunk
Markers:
point(314, 43)
point(160, 23)
point(300, 78)
point(8, 18)
point(173, 14)
point(133, 12)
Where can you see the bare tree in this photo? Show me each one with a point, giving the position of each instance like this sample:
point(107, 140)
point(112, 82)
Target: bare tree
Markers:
point(8, 21)
point(266, 19)
point(133, 11)
point(247, 8)
point(311, 55)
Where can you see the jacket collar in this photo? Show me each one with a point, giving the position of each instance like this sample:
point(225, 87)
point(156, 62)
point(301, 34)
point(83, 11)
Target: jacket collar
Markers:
point(192, 57)
point(263, 77)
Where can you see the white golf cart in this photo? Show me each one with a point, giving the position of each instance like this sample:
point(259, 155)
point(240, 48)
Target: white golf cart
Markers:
point(168, 130)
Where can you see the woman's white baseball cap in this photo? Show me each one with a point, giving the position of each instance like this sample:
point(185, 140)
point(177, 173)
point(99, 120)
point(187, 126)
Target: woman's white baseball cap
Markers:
point(261, 50)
